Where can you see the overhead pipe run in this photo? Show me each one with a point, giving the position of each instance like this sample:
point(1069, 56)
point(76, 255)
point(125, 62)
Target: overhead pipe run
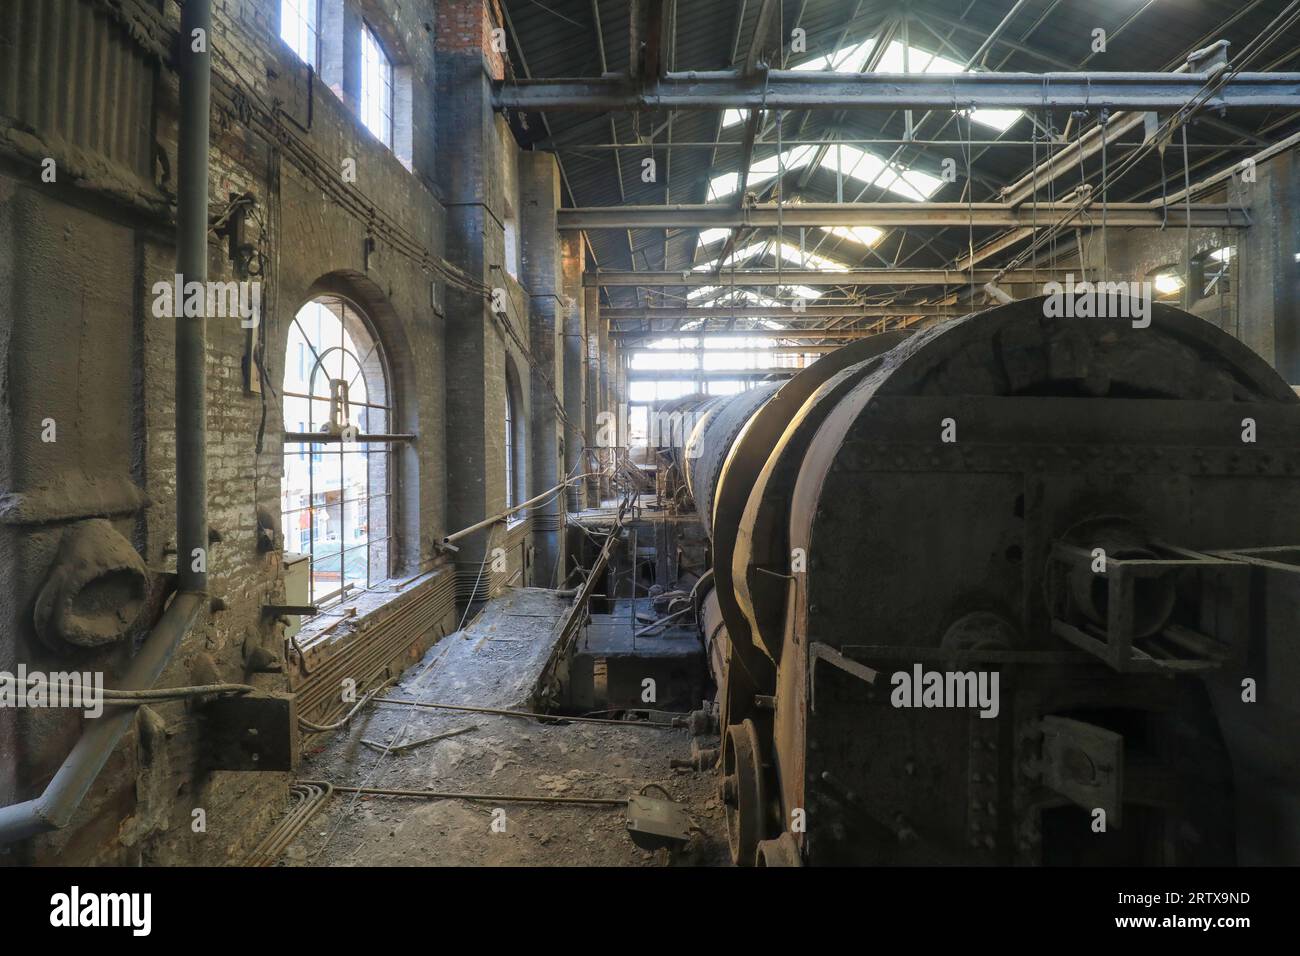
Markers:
point(883, 276)
point(993, 215)
point(56, 806)
point(797, 90)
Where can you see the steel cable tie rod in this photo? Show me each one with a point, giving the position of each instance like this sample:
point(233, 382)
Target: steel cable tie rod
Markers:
point(485, 797)
point(525, 714)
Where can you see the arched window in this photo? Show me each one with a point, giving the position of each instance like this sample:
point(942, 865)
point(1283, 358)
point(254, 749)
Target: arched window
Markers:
point(514, 439)
point(337, 491)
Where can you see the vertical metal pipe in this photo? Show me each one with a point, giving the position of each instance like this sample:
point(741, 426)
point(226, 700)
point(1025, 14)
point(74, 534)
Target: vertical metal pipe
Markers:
point(192, 265)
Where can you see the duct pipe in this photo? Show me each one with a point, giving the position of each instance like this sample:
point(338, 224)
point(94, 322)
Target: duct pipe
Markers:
point(57, 805)
point(54, 808)
point(192, 264)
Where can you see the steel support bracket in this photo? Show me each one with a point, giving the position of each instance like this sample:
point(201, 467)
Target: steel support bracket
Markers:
point(1083, 763)
point(251, 732)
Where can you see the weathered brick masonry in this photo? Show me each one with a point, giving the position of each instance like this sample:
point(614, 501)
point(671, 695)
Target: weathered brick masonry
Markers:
point(77, 313)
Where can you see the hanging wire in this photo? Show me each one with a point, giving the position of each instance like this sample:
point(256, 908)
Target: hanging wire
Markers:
point(1033, 213)
point(1187, 250)
point(970, 199)
point(1104, 118)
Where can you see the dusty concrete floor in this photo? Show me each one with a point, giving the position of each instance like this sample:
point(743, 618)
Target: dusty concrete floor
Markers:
point(499, 756)
point(503, 756)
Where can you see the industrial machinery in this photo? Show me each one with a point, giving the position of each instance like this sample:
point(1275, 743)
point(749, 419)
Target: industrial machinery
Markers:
point(1009, 590)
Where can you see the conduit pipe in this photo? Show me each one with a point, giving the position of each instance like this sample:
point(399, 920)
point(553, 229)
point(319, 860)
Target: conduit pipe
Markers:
point(55, 807)
point(503, 515)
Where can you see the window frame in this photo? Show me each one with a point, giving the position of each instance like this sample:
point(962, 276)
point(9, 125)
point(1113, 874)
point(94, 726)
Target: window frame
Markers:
point(312, 26)
point(388, 83)
point(516, 471)
point(366, 355)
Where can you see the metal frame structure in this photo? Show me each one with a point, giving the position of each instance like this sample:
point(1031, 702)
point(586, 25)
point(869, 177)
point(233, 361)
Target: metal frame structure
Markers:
point(757, 76)
point(793, 90)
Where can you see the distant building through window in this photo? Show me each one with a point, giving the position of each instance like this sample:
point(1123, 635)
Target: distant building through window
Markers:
point(335, 500)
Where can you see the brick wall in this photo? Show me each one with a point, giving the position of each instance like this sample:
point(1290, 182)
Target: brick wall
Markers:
point(84, 267)
point(466, 26)
point(140, 809)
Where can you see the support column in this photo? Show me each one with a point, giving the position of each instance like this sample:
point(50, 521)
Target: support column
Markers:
point(575, 382)
point(594, 406)
point(468, 152)
point(607, 403)
point(543, 276)
point(1268, 299)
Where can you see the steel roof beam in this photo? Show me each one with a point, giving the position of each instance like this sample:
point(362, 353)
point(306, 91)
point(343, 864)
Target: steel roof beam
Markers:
point(806, 277)
point(887, 214)
point(797, 334)
point(795, 89)
point(776, 312)
point(691, 374)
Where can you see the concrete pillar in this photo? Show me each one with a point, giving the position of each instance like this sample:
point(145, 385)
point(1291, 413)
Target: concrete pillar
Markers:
point(1269, 276)
point(542, 275)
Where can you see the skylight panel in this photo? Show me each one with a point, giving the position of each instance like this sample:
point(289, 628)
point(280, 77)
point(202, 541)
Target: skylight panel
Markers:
point(723, 185)
point(761, 171)
point(810, 260)
point(710, 236)
point(789, 253)
point(920, 61)
point(732, 117)
point(849, 58)
point(865, 235)
point(790, 159)
point(871, 169)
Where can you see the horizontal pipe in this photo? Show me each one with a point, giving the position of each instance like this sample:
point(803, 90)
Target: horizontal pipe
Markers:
point(798, 89)
point(690, 375)
point(324, 438)
point(777, 312)
point(807, 348)
point(54, 808)
point(899, 140)
point(502, 515)
point(840, 335)
point(992, 215)
point(813, 277)
point(484, 797)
